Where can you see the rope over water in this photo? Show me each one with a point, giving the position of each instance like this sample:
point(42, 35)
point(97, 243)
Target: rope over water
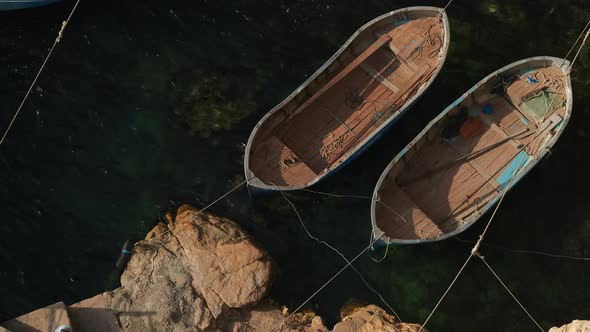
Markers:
point(532, 252)
point(474, 250)
point(448, 4)
point(336, 250)
point(508, 290)
point(323, 286)
point(212, 203)
point(57, 40)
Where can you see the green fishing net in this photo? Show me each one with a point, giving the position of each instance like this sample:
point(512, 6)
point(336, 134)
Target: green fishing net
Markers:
point(538, 105)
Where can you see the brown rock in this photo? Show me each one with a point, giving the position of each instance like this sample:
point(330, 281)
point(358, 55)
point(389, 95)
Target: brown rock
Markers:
point(200, 272)
point(230, 264)
point(44, 319)
point(267, 316)
point(94, 314)
point(189, 272)
point(575, 326)
point(372, 318)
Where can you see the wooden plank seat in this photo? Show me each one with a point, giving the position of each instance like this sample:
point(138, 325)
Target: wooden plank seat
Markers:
point(349, 68)
point(379, 77)
point(407, 61)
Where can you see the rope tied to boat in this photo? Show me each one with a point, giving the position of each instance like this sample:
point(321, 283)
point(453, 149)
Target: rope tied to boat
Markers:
point(349, 263)
point(509, 291)
point(325, 243)
point(445, 7)
point(474, 250)
point(57, 40)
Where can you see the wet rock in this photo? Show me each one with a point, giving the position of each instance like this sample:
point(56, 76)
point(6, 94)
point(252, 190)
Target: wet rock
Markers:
point(575, 326)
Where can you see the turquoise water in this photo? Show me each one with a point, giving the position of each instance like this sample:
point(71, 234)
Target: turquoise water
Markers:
point(125, 125)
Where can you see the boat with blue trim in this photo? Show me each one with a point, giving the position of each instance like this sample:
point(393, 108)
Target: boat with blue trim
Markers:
point(480, 146)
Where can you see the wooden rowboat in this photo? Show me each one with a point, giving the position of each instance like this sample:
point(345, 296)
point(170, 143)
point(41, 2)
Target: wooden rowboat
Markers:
point(21, 4)
point(369, 83)
point(458, 167)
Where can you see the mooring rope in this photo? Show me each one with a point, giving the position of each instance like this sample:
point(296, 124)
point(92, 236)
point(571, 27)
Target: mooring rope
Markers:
point(509, 291)
point(474, 250)
point(211, 204)
point(335, 195)
point(349, 263)
point(372, 235)
point(575, 43)
point(64, 24)
point(448, 4)
point(377, 199)
point(479, 241)
point(320, 241)
point(533, 252)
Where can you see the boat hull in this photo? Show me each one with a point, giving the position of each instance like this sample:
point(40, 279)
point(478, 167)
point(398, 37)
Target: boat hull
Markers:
point(6, 5)
point(256, 185)
point(523, 67)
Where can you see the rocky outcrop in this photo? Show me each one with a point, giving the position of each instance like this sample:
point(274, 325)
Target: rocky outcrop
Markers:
point(200, 272)
point(371, 318)
point(189, 272)
point(575, 326)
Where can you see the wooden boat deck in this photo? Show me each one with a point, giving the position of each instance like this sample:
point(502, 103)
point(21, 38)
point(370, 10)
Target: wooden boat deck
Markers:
point(331, 123)
point(432, 194)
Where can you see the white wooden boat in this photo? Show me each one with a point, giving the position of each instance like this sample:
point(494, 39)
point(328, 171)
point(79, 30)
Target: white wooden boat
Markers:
point(347, 103)
point(457, 168)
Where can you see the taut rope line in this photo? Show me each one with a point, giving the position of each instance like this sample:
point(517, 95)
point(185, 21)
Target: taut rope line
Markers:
point(508, 290)
point(575, 43)
point(325, 284)
point(64, 24)
point(481, 237)
point(533, 252)
point(212, 203)
point(448, 4)
point(339, 253)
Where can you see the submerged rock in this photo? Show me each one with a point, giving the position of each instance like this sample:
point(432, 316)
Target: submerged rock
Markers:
point(209, 100)
point(575, 326)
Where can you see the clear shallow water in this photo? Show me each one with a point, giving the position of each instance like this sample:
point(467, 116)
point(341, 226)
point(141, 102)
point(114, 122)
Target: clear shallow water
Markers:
point(98, 154)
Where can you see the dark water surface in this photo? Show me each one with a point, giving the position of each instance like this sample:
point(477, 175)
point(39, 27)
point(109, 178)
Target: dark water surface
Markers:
point(147, 104)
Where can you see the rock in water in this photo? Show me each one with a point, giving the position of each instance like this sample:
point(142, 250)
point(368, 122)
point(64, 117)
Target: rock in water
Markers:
point(190, 271)
point(575, 326)
point(371, 318)
point(201, 272)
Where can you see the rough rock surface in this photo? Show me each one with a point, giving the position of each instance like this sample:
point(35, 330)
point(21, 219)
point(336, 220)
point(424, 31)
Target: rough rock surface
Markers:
point(188, 272)
point(371, 318)
point(575, 326)
point(200, 272)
